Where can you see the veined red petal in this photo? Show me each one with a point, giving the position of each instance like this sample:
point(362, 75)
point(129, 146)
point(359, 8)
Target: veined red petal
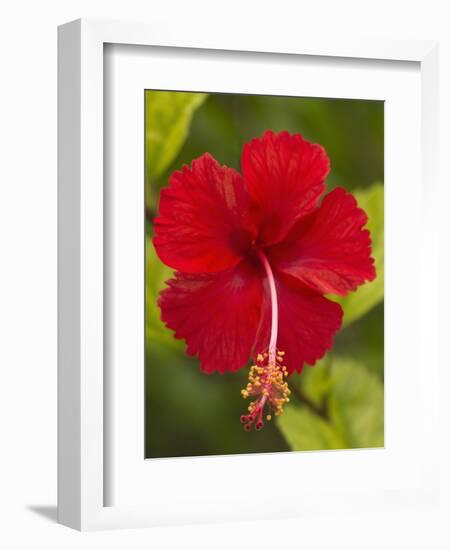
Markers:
point(285, 175)
point(307, 323)
point(203, 224)
point(217, 314)
point(329, 250)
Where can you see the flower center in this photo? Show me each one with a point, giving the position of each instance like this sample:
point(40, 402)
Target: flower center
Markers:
point(266, 381)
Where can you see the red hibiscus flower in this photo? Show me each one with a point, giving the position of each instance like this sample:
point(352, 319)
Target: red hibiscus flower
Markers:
point(255, 255)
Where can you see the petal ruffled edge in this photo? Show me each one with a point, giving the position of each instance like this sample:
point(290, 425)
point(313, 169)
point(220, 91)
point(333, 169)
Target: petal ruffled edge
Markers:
point(328, 251)
point(285, 176)
point(203, 224)
point(217, 314)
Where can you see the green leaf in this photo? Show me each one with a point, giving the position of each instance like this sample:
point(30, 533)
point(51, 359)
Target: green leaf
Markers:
point(168, 116)
point(306, 431)
point(356, 404)
point(358, 303)
point(315, 381)
point(355, 409)
point(156, 274)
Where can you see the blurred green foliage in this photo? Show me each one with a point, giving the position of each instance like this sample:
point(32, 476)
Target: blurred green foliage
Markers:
point(168, 116)
point(346, 408)
point(339, 402)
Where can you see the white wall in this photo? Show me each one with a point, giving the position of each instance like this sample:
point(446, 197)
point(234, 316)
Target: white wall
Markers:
point(28, 268)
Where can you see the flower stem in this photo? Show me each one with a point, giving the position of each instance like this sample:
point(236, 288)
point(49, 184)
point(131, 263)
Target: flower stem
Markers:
point(273, 305)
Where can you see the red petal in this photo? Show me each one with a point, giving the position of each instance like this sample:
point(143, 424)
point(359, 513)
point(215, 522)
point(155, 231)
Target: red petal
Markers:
point(328, 250)
point(203, 223)
point(285, 176)
point(217, 315)
point(307, 323)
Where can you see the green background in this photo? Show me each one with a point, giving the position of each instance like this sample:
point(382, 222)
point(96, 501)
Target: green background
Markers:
point(339, 403)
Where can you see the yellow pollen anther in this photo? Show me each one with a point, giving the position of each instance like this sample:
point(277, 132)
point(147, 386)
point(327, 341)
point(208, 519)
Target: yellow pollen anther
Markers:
point(268, 387)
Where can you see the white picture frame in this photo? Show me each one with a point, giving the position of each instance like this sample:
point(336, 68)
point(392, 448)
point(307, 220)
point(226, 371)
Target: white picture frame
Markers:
point(83, 480)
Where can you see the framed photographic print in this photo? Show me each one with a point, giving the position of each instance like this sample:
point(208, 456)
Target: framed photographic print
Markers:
point(237, 218)
point(255, 297)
